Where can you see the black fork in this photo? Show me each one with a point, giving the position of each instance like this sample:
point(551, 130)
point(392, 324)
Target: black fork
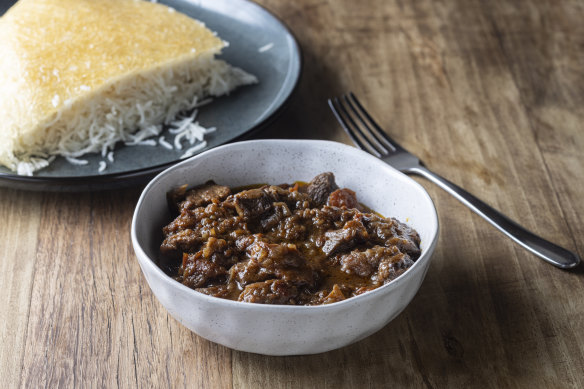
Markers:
point(369, 136)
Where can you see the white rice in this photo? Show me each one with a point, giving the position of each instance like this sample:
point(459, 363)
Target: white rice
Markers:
point(76, 161)
point(266, 47)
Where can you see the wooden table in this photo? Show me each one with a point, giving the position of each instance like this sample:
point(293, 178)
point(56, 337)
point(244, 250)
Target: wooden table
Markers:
point(489, 93)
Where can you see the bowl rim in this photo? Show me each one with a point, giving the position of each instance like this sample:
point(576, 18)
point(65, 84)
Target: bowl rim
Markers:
point(145, 260)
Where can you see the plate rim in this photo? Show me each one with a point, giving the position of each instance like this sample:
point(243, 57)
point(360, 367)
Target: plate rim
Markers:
point(139, 176)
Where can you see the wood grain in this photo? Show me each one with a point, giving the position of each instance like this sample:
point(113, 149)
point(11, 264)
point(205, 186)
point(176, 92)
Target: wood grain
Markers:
point(19, 230)
point(489, 94)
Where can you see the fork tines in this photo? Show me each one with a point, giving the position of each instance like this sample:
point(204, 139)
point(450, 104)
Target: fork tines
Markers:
point(360, 126)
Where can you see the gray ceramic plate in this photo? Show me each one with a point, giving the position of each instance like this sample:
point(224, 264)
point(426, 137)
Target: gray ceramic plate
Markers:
point(247, 27)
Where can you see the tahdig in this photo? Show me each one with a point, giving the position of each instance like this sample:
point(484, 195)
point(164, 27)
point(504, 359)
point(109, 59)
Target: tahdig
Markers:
point(78, 76)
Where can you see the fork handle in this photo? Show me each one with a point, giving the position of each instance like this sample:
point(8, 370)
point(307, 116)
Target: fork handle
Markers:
point(544, 249)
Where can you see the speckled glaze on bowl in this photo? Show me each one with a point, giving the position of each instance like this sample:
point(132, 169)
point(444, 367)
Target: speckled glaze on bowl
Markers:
point(281, 329)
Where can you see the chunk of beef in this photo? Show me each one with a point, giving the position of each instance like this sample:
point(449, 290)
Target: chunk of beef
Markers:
point(343, 198)
point(276, 193)
point(273, 254)
point(183, 241)
point(186, 220)
point(365, 263)
point(406, 246)
point(291, 229)
point(292, 198)
point(379, 228)
point(279, 211)
point(219, 252)
point(252, 203)
point(391, 232)
point(244, 241)
point(248, 272)
point(321, 187)
point(406, 238)
point(196, 271)
point(269, 292)
point(334, 216)
point(392, 267)
point(349, 236)
point(266, 261)
point(193, 227)
point(315, 222)
point(202, 195)
point(203, 217)
point(223, 291)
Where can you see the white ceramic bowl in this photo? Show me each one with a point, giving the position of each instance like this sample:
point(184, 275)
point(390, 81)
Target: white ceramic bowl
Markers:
point(281, 329)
